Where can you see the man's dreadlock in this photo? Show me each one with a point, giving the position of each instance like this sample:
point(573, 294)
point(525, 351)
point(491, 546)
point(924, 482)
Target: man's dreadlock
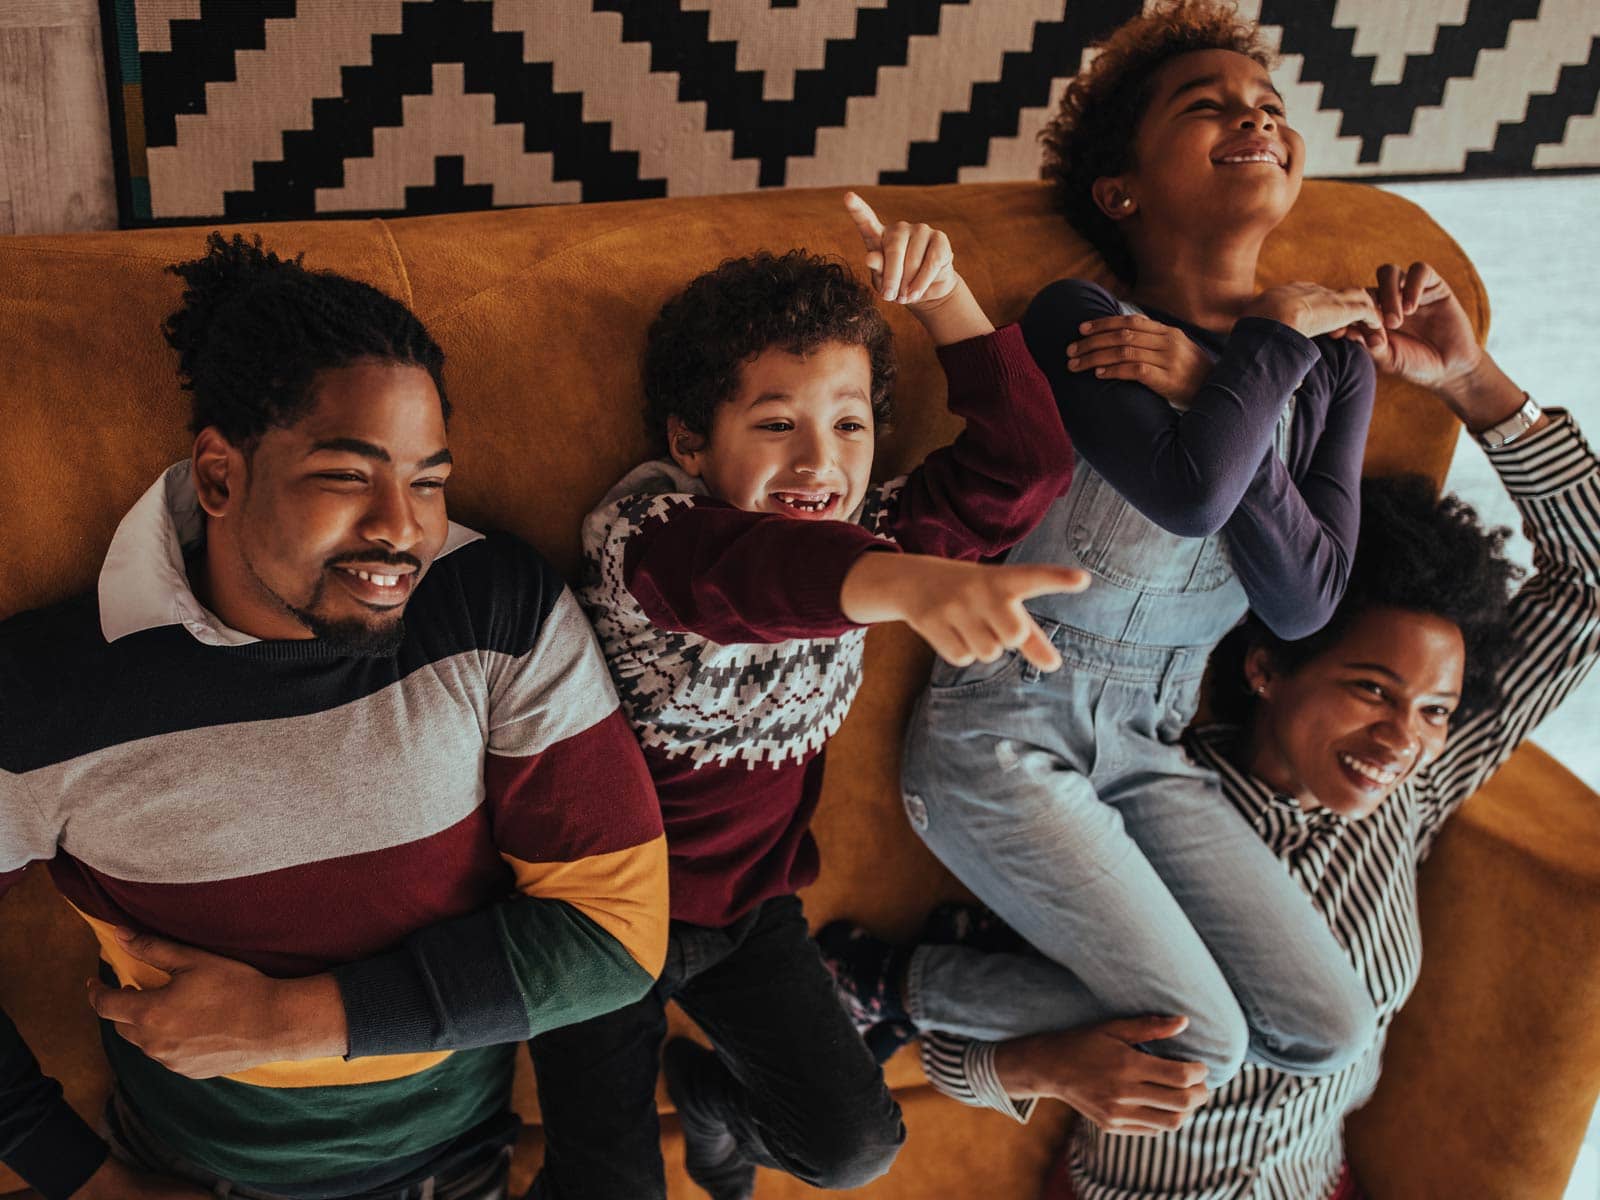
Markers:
point(254, 329)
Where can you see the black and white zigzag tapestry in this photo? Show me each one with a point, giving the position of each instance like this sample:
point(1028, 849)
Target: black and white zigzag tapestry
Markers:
point(252, 109)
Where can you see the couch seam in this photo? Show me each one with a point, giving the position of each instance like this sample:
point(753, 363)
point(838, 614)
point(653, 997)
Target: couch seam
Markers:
point(398, 261)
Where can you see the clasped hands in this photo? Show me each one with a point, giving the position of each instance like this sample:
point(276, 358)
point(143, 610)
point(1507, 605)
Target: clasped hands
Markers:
point(1410, 322)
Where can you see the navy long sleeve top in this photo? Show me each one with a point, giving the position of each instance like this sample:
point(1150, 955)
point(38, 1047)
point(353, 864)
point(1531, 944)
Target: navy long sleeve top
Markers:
point(1290, 523)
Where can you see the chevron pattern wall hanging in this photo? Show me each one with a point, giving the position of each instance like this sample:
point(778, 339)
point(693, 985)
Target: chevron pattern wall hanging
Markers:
point(257, 109)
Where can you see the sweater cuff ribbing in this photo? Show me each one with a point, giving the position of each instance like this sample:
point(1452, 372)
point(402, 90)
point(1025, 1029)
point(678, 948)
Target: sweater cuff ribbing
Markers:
point(60, 1154)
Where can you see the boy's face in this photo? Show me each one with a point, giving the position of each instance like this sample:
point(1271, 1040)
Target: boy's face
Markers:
point(796, 438)
point(1214, 152)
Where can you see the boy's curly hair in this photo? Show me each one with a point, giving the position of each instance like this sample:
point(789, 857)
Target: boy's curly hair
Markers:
point(254, 329)
point(706, 333)
point(1418, 552)
point(1091, 135)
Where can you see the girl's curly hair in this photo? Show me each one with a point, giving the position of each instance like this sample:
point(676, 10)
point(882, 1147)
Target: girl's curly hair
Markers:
point(1418, 552)
point(1091, 135)
point(706, 333)
point(254, 329)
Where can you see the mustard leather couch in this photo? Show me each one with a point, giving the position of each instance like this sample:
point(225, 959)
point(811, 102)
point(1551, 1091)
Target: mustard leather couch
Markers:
point(1494, 1065)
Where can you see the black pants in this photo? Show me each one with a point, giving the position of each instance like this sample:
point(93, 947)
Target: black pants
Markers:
point(792, 1078)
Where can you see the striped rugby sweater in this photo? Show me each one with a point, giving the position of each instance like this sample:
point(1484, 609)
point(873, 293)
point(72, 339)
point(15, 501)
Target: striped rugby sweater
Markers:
point(1269, 1135)
point(464, 833)
point(723, 631)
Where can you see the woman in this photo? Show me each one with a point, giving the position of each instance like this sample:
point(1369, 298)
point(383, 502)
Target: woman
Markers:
point(1347, 751)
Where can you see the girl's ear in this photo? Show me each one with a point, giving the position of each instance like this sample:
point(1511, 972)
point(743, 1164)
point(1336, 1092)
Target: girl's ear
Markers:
point(686, 447)
point(1259, 672)
point(1113, 197)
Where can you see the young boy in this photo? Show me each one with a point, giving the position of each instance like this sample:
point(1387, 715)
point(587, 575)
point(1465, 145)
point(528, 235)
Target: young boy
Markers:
point(729, 585)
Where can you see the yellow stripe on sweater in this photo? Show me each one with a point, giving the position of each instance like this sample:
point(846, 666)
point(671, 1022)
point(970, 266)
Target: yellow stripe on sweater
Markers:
point(624, 892)
point(309, 1072)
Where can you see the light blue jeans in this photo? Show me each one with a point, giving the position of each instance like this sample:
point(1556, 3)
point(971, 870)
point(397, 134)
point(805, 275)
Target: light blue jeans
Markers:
point(1067, 804)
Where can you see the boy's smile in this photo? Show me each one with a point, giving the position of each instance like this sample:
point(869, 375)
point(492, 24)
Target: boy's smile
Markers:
point(796, 438)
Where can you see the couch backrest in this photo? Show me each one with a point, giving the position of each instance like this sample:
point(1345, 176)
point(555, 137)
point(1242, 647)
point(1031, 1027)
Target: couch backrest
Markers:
point(543, 313)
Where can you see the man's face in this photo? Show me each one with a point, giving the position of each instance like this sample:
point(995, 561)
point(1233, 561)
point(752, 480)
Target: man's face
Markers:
point(795, 439)
point(343, 512)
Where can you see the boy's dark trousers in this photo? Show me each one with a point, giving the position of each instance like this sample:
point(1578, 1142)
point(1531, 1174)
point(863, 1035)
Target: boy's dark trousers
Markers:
point(792, 1079)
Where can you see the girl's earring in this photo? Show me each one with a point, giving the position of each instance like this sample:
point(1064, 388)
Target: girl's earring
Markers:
point(1125, 203)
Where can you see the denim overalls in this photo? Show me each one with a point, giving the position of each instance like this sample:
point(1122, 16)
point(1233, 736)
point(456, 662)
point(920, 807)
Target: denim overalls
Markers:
point(1065, 802)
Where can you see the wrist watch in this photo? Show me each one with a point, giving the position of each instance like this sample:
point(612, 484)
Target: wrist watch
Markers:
point(1513, 427)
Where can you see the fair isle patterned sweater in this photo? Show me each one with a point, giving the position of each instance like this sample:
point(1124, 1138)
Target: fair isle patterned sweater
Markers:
point(724, 635)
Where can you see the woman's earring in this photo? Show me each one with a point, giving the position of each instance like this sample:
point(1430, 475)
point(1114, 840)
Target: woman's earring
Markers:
point(1125, 202)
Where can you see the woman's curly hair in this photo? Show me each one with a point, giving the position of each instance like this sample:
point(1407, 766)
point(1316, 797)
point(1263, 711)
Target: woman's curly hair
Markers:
point(254, 329)
point(706, 333)
point(1418, 552)
point(1091, 135)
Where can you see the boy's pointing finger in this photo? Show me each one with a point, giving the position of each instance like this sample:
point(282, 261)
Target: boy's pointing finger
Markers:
point(867, 223)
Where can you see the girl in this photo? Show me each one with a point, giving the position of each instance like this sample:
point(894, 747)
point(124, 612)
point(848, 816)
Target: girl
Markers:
point(1220, 453)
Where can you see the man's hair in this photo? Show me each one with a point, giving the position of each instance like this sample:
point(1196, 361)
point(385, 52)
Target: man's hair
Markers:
point(1091, 135)
point(705, 334)
point(254, 329)
point(1418, 552)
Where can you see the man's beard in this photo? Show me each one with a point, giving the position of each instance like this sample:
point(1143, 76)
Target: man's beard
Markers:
point(354, 636)
point(349, 635)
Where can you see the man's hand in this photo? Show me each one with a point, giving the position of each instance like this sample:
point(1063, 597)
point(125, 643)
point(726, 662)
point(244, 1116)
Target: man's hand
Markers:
point(218, 1016)
point(967, 612)
point(117, 1181)
point(1098, 1071)
point(1143, 350)
point(1311, 309)
point(1427, 339)
point(915, 266)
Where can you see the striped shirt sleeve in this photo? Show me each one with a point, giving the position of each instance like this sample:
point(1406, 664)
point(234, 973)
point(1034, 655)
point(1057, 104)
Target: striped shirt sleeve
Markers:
point(963, 1069)
point(1554, 478)
point(575, 819)
point(41, 1138)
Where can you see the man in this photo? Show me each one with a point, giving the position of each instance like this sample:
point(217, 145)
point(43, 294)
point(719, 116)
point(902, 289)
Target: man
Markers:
point(341, 787)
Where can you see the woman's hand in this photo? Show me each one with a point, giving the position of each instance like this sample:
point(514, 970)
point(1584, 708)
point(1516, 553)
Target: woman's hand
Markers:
point(1311, 309)
point(1427, 339)
point(1143, 350)
point(1100, 1073)
point(914, 265)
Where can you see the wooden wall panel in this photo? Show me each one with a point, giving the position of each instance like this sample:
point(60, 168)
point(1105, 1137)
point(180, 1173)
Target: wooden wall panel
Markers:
point(55, 146)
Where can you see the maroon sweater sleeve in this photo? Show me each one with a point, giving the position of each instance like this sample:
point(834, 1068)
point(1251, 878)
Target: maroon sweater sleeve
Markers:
point(982, 493)
point(733, 576)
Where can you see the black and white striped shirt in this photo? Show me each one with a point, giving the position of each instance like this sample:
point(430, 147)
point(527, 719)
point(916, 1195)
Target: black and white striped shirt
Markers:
point(1272, 1136)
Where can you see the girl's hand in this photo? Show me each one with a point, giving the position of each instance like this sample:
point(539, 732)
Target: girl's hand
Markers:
point(1311, 309)
point(1100, 1072)
point(1143, 350)
point(915, 266)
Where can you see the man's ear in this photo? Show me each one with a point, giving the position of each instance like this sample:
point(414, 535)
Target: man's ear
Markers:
point(686, 446)
point(218, 467)
point(1113, 197)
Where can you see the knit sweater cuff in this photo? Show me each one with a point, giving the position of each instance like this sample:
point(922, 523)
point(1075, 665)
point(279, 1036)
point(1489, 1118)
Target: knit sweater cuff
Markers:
point(60, 1154)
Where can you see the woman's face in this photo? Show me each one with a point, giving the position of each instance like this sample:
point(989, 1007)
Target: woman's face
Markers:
point(1352, 724)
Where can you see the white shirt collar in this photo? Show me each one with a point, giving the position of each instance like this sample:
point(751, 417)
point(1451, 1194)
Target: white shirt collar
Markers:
point(143, 581)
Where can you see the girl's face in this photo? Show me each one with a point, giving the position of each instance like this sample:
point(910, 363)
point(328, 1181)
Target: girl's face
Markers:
point(1213, 153)
point(1349, 726)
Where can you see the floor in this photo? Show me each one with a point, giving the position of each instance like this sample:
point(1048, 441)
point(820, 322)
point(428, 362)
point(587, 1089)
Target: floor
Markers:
point(1537, 245)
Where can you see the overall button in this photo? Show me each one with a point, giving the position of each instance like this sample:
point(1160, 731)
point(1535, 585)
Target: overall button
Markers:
point(916, 810)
